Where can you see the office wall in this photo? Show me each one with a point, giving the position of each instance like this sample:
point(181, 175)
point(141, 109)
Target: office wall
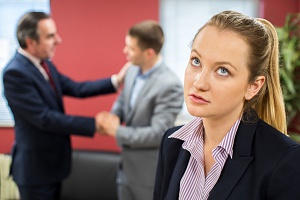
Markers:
point(276, 10)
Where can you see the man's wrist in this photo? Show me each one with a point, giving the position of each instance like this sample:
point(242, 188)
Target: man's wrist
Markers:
point(115, 81)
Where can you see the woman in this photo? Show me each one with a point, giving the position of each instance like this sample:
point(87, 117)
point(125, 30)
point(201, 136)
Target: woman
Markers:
point(236, 146)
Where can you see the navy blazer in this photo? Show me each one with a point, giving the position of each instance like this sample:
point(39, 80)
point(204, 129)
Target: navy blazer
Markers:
point(265, 165)
point(42, 149)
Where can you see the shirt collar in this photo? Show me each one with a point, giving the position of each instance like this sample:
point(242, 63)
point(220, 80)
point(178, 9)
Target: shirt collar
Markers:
point(187, 130)
point(36, 61)
point(228, 140)
point(151, 70)
point(195, 126)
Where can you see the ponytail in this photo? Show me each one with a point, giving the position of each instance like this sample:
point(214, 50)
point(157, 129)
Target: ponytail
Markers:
point(270, 104)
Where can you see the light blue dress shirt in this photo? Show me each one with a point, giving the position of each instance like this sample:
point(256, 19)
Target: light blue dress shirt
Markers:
point(140, 81)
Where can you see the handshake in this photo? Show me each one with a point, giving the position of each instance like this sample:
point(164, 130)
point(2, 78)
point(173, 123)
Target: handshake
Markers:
point(107, 123)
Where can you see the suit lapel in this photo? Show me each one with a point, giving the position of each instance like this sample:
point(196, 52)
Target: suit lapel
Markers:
point(48, 88)
point(50, 95)
point(58, 94)
point(181, 165)
point(128, 87)
point(234, 168)
point(148, 85)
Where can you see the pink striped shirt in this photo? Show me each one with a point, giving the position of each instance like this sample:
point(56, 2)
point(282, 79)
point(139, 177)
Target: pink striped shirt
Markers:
point(194, 185)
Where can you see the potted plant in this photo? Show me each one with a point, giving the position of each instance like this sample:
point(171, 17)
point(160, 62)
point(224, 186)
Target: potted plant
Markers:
point(289, 47)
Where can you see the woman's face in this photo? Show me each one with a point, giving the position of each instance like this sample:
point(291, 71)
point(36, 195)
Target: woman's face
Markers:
point(216, 77)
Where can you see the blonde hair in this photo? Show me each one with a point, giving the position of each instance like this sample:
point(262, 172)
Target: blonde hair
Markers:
point(263, 60)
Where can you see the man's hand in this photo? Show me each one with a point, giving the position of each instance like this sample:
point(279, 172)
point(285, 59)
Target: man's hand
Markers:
point(107, 123)
point(122, 72)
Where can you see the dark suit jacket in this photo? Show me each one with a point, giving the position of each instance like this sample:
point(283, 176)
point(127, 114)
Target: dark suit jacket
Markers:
point(265, 165)
point(42, 150)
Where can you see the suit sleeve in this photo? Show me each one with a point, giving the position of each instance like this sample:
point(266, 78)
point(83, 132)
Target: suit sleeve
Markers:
point(86, 88)
point(32, 109)
point(168, 104)
point(285, 180)
point(81, 89)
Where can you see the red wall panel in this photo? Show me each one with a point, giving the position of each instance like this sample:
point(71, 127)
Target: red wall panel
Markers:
point(276, 10)
point(6, 139)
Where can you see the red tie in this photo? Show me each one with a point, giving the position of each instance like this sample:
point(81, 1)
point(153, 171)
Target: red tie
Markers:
point(46, 68)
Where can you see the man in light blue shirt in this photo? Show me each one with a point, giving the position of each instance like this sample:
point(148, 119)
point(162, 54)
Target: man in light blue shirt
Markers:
point(147, 106)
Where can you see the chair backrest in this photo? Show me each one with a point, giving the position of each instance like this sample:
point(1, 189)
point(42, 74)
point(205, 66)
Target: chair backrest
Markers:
point(93, 176)
point(8, 188)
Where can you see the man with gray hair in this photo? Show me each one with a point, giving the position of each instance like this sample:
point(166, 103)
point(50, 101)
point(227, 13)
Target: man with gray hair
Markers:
point(34, 89)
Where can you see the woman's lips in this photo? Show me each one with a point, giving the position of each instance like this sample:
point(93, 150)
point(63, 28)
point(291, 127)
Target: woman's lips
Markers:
point(198, 99)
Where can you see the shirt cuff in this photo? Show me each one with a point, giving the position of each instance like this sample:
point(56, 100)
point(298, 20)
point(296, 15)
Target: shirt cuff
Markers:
point(114, 81)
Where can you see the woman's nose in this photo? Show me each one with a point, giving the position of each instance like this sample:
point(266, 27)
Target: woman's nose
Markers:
point(202, 81)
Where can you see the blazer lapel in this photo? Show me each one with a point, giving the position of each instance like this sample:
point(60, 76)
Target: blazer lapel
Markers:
point(48, 89)
point(42, 82)
point(128, 87)
point(181, 165)
point(148, 85)
point(58, 93)
point(234, 168)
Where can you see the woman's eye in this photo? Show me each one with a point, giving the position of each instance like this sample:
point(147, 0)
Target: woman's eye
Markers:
point(196, 62)
point(223, 71)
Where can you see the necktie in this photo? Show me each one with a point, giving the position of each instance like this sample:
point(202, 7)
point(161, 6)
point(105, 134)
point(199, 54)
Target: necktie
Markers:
point(46, 68)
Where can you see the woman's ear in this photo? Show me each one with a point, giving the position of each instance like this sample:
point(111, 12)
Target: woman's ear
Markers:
point(254, 87)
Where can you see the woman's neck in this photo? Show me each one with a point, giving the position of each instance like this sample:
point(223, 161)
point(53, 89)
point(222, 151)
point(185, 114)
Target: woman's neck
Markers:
point(216, 130)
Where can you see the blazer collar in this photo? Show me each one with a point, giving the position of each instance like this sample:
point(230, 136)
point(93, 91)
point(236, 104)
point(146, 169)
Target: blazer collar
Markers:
point(181, 165)
point(148, 85)
point(41, 80)
point(233, 170)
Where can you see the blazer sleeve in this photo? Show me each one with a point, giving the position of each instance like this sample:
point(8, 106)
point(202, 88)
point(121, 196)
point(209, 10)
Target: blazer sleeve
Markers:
point(86, 88)
point(285, 180)
point(81, 89)
point(167, 105)
point(24, 95)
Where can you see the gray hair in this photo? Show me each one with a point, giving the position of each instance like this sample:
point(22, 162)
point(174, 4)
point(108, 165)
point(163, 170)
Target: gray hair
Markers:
point(27, 27)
